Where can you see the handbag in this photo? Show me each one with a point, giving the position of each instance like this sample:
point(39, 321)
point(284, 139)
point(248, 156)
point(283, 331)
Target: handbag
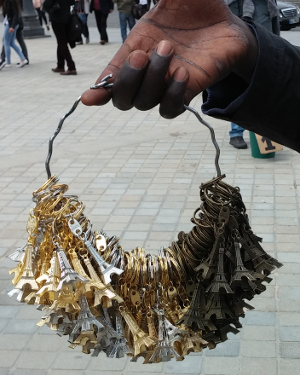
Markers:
point(50, 6)
point(138, 10)
point(74, 27)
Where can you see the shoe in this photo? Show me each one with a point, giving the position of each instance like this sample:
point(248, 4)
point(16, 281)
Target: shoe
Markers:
point(69, 73)
point(48, 27)
point(2, 65)
point(102, 42)
point(23, 63)
point(18, 64)
point(58, 70)
point(8, 66)
point(87, 40)
point(238, 142)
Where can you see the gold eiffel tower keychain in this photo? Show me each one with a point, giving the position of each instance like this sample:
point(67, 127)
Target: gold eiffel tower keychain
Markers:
point(159, 307)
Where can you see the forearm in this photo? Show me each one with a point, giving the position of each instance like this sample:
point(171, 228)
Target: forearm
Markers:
point(269, 105)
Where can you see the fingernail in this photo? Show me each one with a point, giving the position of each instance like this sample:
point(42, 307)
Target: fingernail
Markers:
point(138, 60)
point(180, 75)
point(164, 48)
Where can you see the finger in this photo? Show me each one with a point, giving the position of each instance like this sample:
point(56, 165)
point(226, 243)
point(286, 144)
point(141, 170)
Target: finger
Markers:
point(153, 84)
point(101, 96)
point(171, 104)
point(129, 79)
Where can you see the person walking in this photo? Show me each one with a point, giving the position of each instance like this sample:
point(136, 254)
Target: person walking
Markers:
point(101, 9)
point(37, 4)
point(80, 8)
point(265, 13)
point(59, 21)
point(125, 16)
point(20, 39)
point(11, 10)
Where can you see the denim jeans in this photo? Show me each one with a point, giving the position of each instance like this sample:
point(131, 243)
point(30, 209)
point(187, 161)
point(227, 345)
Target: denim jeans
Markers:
point(124, 19)
point(236, 131)
point(9, 41)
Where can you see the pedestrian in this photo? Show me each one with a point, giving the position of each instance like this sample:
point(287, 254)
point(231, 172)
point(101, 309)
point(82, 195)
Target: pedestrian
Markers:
point(20, 39)
point(101, 9)
point(81, 7)
point(263, 12)
point(11, 10)
point(247, 74)
point(125, 16)
point(60, 21)
point(37, 4)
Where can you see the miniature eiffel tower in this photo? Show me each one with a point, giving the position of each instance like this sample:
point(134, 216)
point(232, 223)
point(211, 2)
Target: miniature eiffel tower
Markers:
point(85, 320)
point(164, 350)
point(26, 282)
point(68, 275)
point(140, 338)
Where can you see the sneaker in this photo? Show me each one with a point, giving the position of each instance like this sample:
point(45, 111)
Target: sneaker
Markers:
point(8, 65)
point(87, 40)
point(2, 65)
point(238, 142)
point(18, 64)
point(23, 63)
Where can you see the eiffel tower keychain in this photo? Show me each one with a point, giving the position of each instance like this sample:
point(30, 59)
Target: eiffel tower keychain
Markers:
point(159, 307)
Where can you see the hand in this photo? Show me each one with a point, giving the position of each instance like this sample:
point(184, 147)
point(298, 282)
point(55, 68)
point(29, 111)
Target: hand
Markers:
point(11, 30)
point(175, 52)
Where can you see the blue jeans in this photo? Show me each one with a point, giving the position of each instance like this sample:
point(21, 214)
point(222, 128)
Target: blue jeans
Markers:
point(9, 41)
point(124, 19)
point(236, 131)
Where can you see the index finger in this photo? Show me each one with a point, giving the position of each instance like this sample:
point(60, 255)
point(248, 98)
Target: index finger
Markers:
point(102, 96)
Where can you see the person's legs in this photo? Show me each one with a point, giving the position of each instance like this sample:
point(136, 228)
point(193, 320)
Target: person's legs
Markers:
point(58, 32)
point(236, 136)
point(63, 52)
point(123, 25)
point(103, 27)
point(39, 12)
point(6, 43)
point(131, 21)
point(20, 39)
point(44, 18)
point(2, 52)
point(66, 52)
point(85, 30)
point(98, 20)
point(11, 40)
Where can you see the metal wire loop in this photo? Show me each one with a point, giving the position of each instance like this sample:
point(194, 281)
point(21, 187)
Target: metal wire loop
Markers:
point(104, 83)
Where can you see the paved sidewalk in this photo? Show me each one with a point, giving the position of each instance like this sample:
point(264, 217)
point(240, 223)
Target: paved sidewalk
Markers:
point(139, 176)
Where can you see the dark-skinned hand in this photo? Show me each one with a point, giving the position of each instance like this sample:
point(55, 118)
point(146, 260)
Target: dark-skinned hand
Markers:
point(177, 50)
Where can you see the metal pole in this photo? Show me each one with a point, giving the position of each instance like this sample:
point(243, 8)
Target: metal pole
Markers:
point(32, 27)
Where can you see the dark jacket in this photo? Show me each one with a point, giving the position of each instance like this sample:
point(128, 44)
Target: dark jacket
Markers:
point(12, 12)
point(62, 15)
point(105, 6)
point(270, 109)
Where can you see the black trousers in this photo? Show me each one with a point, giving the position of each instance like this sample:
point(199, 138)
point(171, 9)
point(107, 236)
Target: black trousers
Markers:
point(63, 52)
point(101, 21)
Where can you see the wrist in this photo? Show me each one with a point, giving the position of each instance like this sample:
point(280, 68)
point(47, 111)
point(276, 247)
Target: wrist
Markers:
point(246, 66)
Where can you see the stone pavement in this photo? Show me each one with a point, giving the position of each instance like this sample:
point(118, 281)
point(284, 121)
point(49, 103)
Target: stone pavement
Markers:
point(139, 176)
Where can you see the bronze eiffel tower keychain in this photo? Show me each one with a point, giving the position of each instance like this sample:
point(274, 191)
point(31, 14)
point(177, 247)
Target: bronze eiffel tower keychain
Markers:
point(159, 307)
